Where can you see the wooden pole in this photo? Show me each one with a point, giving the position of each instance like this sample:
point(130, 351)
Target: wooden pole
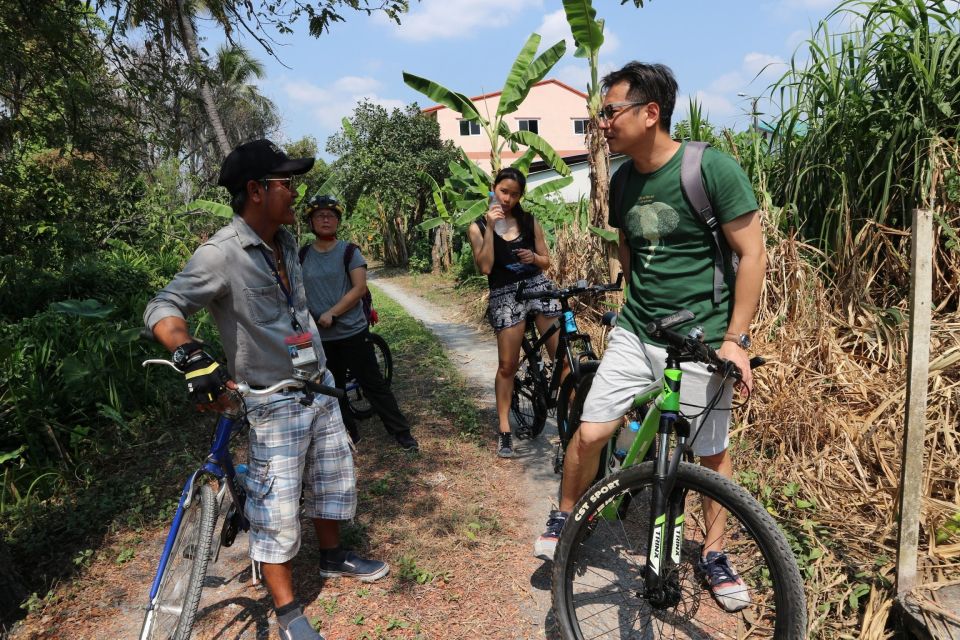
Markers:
point(918, 368)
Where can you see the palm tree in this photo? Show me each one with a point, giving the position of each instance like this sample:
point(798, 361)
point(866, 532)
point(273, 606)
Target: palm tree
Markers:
point(174, 19)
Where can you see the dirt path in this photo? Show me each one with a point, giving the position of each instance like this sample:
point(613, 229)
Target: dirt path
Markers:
point(451, 487)
point(475, 354)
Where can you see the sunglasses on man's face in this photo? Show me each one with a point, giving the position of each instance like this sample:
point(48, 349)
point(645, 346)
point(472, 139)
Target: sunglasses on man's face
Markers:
point(610, 111)
point(286, 183)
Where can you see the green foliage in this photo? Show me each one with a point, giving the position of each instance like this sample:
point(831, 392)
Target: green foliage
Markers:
point(863, 120)
point(382, 158)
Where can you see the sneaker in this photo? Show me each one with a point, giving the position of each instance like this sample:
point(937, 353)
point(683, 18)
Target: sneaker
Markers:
point(505, 446)
point(728, 589)
point(299, 629)
point(546, 545)
point(407, 442)
point(353, 566)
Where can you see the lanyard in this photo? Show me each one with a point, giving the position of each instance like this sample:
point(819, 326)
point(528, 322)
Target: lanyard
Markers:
point(276, 275)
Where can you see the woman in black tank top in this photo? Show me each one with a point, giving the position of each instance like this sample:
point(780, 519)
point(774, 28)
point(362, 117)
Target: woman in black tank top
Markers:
point(509, 248)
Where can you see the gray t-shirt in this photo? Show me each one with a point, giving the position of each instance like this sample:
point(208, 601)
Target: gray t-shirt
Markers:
point(326, 282)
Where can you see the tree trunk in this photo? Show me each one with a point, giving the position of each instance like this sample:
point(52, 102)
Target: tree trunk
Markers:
point(442, 253)
point(206, 95)
point(599, 161)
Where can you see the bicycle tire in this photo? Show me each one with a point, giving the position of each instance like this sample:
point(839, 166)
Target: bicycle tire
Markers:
point(573, 422)
point(357, 401)
point(177, 599)
point(598, 570)
point(528, 401)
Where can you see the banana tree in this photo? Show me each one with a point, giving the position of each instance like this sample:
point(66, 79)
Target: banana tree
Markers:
point(527, 70)
point(468, 185)
point(587, 32)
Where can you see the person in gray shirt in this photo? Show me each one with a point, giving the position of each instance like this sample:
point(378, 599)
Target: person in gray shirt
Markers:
point(335, 279)
point(248, 276)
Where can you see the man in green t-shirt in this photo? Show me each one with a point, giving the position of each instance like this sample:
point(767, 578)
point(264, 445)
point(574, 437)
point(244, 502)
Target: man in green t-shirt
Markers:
point(668, 254)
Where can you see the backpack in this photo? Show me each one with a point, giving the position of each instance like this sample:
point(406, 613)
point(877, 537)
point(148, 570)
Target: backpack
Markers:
point(691, 184)
point(366, 300)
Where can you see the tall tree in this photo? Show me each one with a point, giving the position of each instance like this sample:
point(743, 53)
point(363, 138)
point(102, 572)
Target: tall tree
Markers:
point(384, 156)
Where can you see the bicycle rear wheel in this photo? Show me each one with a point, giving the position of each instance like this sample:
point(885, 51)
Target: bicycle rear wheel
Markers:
point(359, 403)
point(175, 605)
point(598, 576)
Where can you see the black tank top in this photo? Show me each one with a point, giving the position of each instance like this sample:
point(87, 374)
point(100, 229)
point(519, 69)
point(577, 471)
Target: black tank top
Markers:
point(507, 268)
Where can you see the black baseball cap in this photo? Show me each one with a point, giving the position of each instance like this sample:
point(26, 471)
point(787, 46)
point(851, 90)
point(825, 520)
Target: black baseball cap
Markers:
point(255, 160)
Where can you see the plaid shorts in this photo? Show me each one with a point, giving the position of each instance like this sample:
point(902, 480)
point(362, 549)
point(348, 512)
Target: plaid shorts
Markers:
point(293, 447)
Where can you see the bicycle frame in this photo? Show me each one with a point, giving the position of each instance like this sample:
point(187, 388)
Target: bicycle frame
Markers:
point(666, 510)
point(219, 464)
point(531, 351)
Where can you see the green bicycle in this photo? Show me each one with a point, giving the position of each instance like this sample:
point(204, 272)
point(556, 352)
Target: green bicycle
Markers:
point(626, 564)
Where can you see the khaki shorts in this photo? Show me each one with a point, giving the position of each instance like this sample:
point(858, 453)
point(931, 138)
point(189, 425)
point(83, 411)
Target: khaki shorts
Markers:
point(629, 365)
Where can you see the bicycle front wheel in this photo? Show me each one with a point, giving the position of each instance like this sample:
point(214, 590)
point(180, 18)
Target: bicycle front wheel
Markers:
point(175, 606)
point(599, 587)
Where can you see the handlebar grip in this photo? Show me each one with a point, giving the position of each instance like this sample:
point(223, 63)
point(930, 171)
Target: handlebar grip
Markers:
point(339, 394)
point(757, 361)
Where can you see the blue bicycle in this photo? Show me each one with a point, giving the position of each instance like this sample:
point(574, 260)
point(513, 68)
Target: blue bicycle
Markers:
point(176, 588)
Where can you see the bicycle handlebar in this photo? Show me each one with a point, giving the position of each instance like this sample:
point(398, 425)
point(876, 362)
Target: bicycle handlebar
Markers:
point(246, 390)
point(561, 294)
point(694, 346)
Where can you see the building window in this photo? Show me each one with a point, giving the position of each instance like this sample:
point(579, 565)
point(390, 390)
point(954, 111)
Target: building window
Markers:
point(533, 126)
point(580, 126)
point(468, 128)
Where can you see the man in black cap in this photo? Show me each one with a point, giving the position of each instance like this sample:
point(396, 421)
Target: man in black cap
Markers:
point(248, 276)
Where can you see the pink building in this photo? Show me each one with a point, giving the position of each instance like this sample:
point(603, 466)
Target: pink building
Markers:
point(553, 110)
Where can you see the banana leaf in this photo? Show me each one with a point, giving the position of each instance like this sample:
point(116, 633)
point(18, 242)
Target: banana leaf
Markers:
point(550, 187)
point(522, 164)
point(543, 149)
point(586, 29)
point(448, 98)
point(472, 213)
point(515, 90)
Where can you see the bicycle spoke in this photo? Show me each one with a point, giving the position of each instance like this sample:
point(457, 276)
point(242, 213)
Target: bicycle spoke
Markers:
point(606, 592)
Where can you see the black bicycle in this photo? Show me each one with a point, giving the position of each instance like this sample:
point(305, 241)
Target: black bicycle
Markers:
point(359, 404)
point(539, 384)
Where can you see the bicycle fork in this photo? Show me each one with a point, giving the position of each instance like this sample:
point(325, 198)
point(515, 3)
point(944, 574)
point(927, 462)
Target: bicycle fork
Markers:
point(667, 515)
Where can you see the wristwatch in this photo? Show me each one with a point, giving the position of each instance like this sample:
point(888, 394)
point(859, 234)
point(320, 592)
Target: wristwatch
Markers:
point(740, 339)
point(182, 353)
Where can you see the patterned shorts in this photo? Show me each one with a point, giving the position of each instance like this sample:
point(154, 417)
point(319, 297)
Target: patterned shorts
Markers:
point(293, 447)
point(506, 311)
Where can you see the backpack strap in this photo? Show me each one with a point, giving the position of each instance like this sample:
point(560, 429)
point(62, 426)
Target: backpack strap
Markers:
point(691, 182)
point(348, 256)
point(302, 254)
point(618, 185)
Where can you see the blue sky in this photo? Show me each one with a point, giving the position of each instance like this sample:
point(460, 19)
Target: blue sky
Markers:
point(716, 49)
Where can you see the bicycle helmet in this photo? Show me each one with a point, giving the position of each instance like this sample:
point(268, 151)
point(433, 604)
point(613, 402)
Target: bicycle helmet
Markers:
point(325, 201)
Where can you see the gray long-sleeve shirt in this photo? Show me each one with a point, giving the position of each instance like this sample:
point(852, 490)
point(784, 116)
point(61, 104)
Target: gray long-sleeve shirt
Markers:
point(229, 275)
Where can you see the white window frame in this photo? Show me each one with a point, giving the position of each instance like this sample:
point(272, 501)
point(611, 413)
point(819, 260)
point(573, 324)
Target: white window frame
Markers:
point(586, 124)
point(473, 128)
point(520, 121)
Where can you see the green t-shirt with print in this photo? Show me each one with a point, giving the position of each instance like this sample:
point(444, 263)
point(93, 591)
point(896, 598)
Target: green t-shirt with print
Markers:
point(671, 250)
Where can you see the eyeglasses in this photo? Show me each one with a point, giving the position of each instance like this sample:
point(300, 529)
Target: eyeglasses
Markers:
point(323, 213)
point(609, 112)
point(286, 183)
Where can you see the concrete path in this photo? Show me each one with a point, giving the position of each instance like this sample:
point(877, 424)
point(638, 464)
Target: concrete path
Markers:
point(474, 353)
